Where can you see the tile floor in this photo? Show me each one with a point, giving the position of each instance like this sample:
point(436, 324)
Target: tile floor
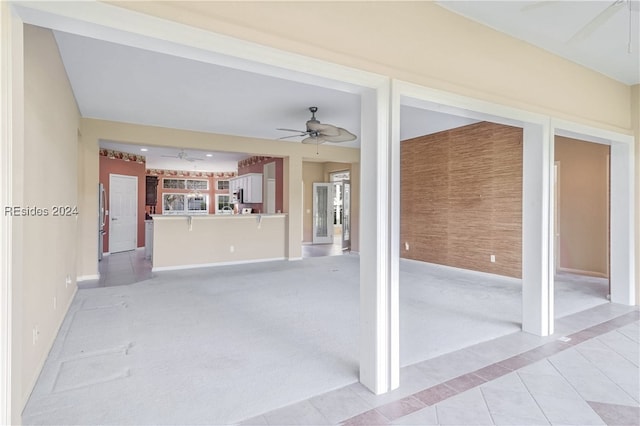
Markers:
point(121, 269)
point(318, 250)
point(584, 377)
point(587, 373)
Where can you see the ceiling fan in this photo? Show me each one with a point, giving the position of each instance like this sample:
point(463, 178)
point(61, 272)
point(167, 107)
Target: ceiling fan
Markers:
point(597, 21)
point(182, 155)
point(320, 133)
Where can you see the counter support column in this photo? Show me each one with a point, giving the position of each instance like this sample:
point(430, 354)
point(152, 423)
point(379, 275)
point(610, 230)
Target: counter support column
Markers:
point(292, 205)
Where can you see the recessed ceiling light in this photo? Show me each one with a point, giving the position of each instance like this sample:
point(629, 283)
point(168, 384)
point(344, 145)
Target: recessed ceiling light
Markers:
point(144, 149)
point(209, 155)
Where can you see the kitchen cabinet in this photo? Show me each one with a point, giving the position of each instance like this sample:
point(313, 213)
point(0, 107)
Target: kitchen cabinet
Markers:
point(253, 188)
point(234, 184)
point(151, 194)
point(251, 185)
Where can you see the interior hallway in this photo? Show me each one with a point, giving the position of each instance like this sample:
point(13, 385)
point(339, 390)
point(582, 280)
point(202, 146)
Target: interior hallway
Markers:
point(121, 269)
point(219, 345)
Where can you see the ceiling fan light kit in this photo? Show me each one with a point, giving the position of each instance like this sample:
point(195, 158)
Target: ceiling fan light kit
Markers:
point(182, 155)
point(320, 133)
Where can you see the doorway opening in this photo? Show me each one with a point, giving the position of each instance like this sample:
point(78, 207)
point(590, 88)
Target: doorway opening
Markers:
point(581, 223)
point(331, 221)
point(341, 209)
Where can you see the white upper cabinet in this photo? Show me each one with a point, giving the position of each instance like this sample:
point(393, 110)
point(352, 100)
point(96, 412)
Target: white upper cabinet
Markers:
point(251, 185)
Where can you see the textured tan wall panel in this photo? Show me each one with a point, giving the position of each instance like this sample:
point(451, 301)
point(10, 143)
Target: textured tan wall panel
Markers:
point(461, 198)
point(584, 206)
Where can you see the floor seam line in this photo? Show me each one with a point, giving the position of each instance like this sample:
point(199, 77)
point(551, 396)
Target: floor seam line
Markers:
point(486, 404)
point(614, 350)
point(533, 396)
point(576, 390)
point(604, 374)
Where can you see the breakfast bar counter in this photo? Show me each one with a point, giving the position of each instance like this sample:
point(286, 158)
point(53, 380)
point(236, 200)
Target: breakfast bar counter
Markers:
point(181, 242)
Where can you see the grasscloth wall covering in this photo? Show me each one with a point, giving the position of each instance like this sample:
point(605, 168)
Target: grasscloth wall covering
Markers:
point(461, 198)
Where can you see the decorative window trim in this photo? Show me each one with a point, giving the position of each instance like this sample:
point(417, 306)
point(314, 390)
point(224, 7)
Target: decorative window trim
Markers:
point(195, 184)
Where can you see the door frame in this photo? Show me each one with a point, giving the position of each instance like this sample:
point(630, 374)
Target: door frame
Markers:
point(110, 231)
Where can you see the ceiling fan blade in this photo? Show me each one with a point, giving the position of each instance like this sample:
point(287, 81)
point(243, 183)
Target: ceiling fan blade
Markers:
point(324, 129)
point(343, 136)
point(599, 20)
point(192, 159)
point(537, 5)
point(314, 139)
point(294, 136)
point(170, 156)
point(294, 130)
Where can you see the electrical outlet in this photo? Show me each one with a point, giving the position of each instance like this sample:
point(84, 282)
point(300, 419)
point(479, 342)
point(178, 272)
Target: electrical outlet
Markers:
point(36, 334)
point(493, 258)
point(232, 249)
point(55, 302)
point(67, 281)
point(406, 245)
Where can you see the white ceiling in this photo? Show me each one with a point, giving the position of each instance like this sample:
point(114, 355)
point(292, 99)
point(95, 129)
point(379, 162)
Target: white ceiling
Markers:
point(120, 82)
point(123, 83)
point(159, 157)
point(552, 26)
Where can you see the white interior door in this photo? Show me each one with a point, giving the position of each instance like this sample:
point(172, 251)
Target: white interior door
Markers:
point(322, 213)
point(123, 213)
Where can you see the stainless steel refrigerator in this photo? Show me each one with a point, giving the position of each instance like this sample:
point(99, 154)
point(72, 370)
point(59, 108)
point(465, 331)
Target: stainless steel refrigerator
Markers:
point(102, 216)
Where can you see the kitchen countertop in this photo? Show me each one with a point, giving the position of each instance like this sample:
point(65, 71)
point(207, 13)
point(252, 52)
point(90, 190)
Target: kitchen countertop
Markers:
point(217, 216)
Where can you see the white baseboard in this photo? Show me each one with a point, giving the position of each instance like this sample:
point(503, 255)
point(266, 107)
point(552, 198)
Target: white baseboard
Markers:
point(209, 265)
point(470, 271)
point(583, 272)
point(87, 278)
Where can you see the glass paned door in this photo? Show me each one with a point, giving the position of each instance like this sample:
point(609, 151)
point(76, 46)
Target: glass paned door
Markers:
point(346, 215)
point(322, 213)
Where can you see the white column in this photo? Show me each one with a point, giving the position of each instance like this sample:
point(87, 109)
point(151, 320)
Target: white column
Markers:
point(5, 224)
point(622, 228)
point(11, 194)
point(379, 352)
point(537, 232)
